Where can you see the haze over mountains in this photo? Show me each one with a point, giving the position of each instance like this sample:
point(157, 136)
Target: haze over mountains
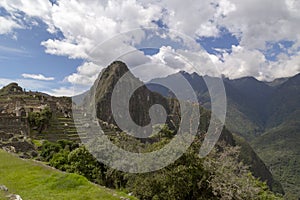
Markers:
point(267, 114)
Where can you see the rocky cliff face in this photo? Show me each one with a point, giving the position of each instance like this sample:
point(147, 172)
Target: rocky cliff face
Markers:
point(140, 101)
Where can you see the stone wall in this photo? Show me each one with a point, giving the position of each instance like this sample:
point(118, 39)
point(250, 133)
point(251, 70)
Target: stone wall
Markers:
point(14, 124)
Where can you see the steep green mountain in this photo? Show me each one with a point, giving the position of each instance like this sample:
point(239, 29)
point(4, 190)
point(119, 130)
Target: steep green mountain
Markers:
point(279, 149)
point(254, 96)
point(279, 146)
point(284, 104)
point(267, 114)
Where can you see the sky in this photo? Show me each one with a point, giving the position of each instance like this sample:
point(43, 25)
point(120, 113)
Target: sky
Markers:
point(60, 46)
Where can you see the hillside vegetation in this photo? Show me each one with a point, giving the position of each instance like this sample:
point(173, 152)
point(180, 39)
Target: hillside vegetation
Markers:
point(279, 148)
point(218, 176)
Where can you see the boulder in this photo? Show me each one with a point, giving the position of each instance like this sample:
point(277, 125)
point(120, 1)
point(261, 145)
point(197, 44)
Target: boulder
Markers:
point(3, 188)
point(9, 149)
point(14, 197)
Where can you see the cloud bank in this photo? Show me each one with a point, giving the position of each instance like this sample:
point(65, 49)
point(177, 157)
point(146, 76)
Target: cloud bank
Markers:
point(86, 24)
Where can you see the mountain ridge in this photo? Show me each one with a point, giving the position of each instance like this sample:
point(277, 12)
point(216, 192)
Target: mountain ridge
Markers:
point(258, 110)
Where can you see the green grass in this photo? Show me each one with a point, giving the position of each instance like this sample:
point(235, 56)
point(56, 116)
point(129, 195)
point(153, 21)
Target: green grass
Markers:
point(32, 180)
point(3, 195)
point(37, 143)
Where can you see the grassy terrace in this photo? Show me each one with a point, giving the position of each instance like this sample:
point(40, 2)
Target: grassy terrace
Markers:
point(32, 180)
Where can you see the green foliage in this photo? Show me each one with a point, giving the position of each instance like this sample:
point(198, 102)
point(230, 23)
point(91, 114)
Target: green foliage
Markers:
point(40, 120)
point(279, 148)
point(218, 176)
point(231, 179)
point(162, 132)
point(80, 161)
point(48, 150)
point(185, 179)
point(60, 160)
point(256, 165)
point(67, 145)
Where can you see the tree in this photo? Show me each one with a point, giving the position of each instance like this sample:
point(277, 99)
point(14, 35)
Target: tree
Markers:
point(231, 179)
point(82, 162)
point(40, 120)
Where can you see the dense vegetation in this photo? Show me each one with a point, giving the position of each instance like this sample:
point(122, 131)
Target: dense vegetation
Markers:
point(219, 176)
point(40, 120)
point(283, 155)
point(267, 115)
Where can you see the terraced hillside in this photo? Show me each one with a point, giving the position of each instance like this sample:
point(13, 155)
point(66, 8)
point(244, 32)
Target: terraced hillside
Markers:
point(16, 106)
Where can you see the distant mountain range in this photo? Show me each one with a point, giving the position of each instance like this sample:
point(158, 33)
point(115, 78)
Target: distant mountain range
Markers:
point(266, 114)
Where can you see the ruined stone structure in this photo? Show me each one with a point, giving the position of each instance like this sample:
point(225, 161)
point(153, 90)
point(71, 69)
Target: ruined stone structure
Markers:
point(14, 124)
point(16, 104)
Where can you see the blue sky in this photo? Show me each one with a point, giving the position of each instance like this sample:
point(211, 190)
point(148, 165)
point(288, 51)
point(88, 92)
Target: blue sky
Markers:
point(47, 47)
point(26, 55)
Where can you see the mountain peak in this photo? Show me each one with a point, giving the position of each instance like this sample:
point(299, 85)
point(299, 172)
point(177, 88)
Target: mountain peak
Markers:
point(140, 101)
point(118, 68)
point(11, 88)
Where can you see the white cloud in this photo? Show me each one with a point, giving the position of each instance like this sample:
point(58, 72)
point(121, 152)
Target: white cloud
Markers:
point(64, 91)
point(240, 62)
point(33, 8)
point(38, 77)
point(244, 62)
point(66, 48)
point(12, 50)
point(86, 74)
point(284, 67)
point(190, 17)
point(7, 25)
point(257, 22)
point(169, 61)
point(86, 24)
